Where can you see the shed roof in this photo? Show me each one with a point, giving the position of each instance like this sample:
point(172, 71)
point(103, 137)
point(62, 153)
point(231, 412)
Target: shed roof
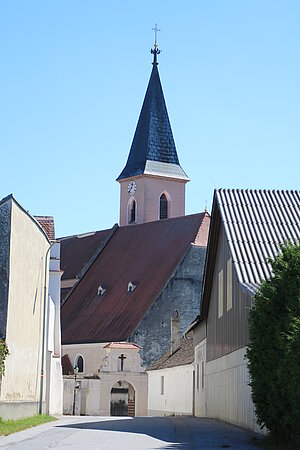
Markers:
point(256, 222)
point(146, 255)
point(184, 355)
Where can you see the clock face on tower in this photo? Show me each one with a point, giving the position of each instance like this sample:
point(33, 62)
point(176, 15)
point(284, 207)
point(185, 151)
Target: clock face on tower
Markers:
point(131, 187)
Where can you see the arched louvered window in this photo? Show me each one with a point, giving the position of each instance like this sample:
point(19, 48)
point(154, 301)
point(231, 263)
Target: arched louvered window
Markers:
point(79, 363)
point(132, 212)
point(163, 207)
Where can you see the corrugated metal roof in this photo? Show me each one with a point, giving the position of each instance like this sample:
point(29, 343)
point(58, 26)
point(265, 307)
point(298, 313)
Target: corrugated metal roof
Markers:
point(256, 223)
point(146, 255)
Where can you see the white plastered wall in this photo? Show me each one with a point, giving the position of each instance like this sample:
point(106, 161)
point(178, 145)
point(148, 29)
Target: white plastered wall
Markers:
point(178, 391)
point(25, 305)
point(228, 394)
point(94, 395)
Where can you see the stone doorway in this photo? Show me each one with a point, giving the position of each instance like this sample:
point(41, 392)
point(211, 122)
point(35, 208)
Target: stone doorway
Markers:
point(122, 399)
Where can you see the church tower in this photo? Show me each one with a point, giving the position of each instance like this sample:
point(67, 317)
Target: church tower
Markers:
point(152, 183)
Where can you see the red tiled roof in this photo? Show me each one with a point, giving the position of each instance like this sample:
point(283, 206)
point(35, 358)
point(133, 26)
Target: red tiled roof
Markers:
point(67, 368)
point(126, 345)
point(146, 255)
point(76, 251)
point(47, 223)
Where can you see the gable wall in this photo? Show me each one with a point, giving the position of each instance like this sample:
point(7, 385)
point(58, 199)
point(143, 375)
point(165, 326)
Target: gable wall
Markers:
point(25, 308)
point(5, 219)
point(182, 292)
point(229, 332)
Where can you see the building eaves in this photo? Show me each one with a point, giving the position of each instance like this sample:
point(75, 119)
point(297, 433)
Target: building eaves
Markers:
point(256, 223)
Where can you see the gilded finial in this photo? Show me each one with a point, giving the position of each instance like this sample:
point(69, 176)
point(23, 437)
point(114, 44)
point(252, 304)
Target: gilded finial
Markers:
point(155, 51)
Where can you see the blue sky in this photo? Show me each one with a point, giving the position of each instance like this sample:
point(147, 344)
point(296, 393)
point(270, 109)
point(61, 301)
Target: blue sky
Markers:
point(74, 74)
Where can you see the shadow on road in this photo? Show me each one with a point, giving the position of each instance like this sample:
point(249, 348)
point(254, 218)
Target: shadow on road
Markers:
point(156, 427)
point(176, 433)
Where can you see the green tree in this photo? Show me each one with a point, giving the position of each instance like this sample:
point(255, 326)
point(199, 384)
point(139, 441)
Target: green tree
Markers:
point(274, 349)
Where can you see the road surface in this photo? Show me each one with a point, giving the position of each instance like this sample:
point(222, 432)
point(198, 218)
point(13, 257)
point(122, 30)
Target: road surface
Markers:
point(125, 433)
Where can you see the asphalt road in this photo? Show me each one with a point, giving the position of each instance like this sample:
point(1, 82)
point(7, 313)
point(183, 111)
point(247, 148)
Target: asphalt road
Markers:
point(124, 433)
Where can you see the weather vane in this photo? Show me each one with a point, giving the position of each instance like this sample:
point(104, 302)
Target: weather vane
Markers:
point(156, 51)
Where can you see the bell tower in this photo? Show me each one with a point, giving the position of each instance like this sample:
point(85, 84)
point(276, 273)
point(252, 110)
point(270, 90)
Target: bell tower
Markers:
point(152, 182)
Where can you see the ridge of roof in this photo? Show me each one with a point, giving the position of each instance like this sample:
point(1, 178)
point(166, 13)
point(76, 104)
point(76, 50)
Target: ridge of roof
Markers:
point(256, 222)
point(92, 259)
point(153, 139)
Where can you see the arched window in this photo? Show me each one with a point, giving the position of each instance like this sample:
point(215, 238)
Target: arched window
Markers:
point(79, 363)
point(132, 211)
point(163, 207)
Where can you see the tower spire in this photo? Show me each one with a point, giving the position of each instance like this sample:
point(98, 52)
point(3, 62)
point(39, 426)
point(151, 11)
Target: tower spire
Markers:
point(155, 51)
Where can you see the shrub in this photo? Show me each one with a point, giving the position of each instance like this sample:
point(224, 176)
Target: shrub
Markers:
point(274, 346)
point(3, 354)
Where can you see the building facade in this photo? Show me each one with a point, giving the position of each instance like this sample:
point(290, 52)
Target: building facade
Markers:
point(247, 227)
point(25, 303)
point(110, 380)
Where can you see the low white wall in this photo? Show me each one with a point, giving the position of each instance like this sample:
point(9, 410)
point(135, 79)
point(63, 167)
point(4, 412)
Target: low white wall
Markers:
point(18, 410)
point(228, 394)
point(94, 395)
point(178, 391)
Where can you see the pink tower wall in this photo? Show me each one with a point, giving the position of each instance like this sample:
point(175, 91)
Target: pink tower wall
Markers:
point(148, 192)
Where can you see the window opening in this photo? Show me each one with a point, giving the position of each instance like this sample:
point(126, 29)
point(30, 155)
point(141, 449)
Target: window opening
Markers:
point(229, 284)
point(220, 295)
point(79, 363)
point(101, 290)
point(163, 207)
point(131, 287)
point(132, 212)
point(162, 385)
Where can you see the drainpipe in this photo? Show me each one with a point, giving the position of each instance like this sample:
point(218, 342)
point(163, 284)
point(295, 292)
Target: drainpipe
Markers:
point(44, 332)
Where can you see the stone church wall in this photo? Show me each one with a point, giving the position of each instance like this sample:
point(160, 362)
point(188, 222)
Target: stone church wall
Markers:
point(182, 292)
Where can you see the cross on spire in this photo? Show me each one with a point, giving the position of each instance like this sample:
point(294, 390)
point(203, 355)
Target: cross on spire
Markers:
point(155, 51)
point(155, 29)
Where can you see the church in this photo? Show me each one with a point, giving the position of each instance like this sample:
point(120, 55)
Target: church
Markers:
point(124, 284)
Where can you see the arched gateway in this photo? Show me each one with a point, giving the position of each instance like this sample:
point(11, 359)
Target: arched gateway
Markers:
point(122, 399)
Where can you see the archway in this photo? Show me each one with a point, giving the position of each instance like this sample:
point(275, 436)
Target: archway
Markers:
point(122, 399)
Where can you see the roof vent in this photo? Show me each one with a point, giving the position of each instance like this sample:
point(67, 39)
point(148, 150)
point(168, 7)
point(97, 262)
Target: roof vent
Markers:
point(101, 291)
point(131, 287)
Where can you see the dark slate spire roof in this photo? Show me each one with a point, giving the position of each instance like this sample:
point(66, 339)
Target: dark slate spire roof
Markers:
point(153, 148)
